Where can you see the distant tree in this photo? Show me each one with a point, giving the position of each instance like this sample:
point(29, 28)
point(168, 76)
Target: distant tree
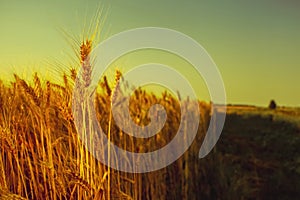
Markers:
point(272, 105)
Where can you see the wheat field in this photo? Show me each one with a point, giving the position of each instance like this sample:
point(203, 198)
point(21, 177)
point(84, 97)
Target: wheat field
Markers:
point(42, 156)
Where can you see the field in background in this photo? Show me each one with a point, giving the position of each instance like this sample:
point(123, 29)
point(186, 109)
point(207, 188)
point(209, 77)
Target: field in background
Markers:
point(260, 149)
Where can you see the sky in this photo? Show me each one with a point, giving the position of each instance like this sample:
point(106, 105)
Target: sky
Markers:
point(255, 44)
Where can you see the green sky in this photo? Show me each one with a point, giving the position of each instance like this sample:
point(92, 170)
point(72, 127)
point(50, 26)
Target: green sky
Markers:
point(255, 44)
